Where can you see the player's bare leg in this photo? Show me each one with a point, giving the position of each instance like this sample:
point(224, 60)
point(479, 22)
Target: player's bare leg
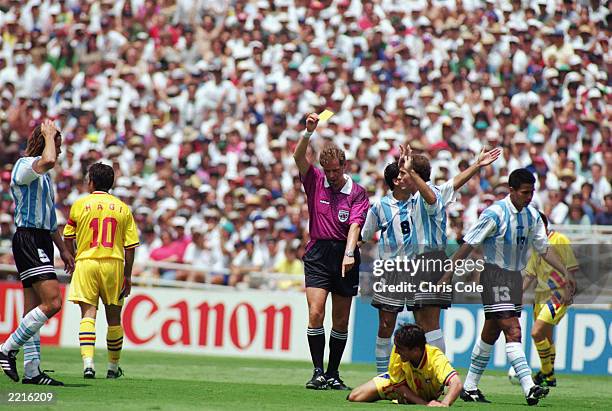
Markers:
point(31, 349)
point(480, 358)
point(364, 393)
point(316, 298)
point(114, 340)
point(87, 338)
point(516, 356)
point(42, 301)
point(542, 334)
point(428, 318)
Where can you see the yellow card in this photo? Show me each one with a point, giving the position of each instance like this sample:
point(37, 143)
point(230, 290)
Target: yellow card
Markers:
point(325, 115)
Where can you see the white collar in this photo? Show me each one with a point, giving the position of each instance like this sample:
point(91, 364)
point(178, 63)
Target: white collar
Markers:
point(511, 205)
point(348, 186)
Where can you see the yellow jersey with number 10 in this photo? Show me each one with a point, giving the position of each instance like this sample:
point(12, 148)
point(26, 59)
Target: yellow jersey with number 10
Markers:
point(103, 227)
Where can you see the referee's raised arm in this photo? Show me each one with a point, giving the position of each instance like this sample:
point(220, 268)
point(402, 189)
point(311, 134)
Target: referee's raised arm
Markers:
point(299, 155)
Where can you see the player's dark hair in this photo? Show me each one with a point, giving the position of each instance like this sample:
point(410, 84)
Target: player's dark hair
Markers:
point(544, 218)
point(410, 336)
point(519, 177)
point(391, 172)
point(102, 176)
point(36, 142)
point(420, 164)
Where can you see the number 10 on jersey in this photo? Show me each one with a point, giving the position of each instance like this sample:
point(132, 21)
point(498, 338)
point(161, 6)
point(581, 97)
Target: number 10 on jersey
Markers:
point(107, 239)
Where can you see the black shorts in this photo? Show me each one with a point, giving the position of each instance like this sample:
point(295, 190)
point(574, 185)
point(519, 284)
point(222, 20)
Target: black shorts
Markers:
point(33, 252)
point(323, 268)
point(502, 293)
point(430, 274)
point(390, 299)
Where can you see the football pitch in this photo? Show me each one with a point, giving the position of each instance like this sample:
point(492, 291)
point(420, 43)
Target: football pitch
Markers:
point(159, 381)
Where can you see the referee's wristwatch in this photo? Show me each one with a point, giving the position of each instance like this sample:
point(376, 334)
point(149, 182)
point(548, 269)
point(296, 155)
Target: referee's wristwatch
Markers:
point(350, 254)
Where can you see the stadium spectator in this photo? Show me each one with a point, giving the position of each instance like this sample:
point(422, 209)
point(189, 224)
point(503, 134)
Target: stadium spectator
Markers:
point(124, 80)
point(604, 217)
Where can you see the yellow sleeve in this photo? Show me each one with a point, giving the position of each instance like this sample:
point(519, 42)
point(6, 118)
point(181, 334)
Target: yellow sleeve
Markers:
point(530, 270)
point(442, 367)
point(567, 255)
point(131, 233)
point(71, 224)
point(396, 371)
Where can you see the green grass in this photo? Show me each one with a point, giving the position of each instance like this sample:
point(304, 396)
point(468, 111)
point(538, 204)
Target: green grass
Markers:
point(155, 381)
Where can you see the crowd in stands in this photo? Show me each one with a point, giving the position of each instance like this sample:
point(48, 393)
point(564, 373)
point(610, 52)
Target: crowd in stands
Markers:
point(198, 105)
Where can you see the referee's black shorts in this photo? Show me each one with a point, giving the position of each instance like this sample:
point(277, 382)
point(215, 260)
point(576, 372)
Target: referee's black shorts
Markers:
point(323, 268)
point(502, 293)
point(33, 252)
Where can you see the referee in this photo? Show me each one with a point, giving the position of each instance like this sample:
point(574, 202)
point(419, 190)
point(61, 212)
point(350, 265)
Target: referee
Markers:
point(36, 222)
point(506, 229)
point(337, 208)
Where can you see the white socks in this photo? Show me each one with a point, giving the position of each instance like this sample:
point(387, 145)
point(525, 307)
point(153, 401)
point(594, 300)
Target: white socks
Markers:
point(383, 353)
point(480, 358)
point(436, 338)
point(516, 357)
point(31, 356)
point(29, 325)
point(88, 363)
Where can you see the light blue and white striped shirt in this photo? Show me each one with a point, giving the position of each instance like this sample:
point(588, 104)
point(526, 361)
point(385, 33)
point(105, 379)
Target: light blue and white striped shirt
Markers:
point(429, 220)
point(390, 216)
point(409, 227)
point(33, 195)
point(506, 234)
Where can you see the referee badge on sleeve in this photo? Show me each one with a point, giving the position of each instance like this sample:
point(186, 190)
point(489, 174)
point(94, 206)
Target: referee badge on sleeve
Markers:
point(343, 215)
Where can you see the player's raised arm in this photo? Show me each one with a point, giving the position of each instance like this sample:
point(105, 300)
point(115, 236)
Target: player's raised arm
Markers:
point(52, 147)
point(484, 159)
point(299, 155)
point(406, 163)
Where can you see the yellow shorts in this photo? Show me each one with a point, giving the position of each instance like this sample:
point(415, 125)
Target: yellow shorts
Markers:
point(549, 312)
point(382, 381)
point(99, 278)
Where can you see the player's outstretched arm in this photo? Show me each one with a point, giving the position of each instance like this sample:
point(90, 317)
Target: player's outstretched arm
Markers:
point(454, 389)
point(299, 155)
point(484, 159)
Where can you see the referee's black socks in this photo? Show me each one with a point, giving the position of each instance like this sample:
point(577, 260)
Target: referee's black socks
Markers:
point(337, 342)
point(316, 342)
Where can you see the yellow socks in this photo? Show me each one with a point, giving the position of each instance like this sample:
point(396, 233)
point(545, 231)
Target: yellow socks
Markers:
point(546, 352)
point(114, 342)
point(87, 340)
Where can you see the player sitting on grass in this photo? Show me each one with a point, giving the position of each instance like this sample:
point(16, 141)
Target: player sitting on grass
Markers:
point(417, 374)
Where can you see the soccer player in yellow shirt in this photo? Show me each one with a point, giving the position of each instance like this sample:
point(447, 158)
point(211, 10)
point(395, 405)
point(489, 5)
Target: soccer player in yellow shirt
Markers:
point(418, 373)
point(553, 295)
point(106, 237)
